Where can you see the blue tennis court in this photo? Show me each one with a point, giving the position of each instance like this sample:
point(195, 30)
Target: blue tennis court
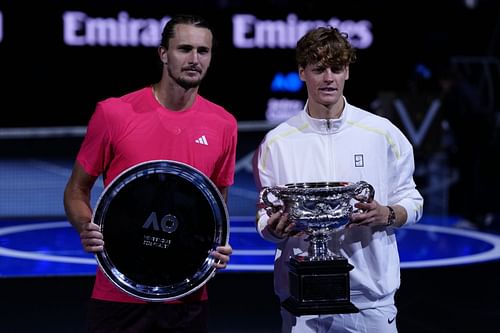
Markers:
point(37, 240)
point(448, 271)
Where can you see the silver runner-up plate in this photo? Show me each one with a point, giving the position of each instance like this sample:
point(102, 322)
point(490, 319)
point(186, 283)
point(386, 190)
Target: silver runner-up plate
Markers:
point(160, 221)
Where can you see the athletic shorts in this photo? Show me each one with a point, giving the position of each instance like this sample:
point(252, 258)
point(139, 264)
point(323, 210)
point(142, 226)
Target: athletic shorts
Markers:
point(376, 320)
point(118, 317)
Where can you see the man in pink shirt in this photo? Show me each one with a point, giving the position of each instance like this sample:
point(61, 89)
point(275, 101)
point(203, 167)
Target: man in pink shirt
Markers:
point(164, 121)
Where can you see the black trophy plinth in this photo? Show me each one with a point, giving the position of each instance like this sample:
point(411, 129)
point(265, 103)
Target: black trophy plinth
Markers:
point(319, 287)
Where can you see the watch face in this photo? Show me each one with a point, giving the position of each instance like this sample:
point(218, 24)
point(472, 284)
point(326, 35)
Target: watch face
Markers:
point(160, 222)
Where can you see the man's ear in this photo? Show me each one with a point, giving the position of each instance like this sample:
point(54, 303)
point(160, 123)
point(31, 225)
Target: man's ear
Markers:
point(162, 52)
point(301, 73)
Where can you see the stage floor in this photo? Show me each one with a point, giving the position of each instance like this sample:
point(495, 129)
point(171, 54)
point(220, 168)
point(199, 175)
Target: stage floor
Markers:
point(52, 248)
point(449, 273)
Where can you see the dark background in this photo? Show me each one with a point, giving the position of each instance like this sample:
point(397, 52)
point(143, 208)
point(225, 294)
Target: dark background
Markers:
point(46, 83)
point(445, 299)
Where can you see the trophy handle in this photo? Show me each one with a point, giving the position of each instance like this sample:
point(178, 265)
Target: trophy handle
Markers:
point(364, 192)
point(271, 207)
point(263, 195)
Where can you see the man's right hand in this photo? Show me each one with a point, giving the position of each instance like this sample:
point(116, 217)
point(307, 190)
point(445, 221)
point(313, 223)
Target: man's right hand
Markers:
point(91, 238)
point(280, 226)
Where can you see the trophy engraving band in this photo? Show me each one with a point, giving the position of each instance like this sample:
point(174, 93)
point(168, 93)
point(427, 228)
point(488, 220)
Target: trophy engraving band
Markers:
point(160, 221)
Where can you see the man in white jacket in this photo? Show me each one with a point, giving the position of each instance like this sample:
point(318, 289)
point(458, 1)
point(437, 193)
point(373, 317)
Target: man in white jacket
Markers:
point(331, 140)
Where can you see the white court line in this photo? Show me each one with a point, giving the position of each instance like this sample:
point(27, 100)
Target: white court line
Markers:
point(253, 253)
point(51, 168)
point(79, 131)
point(256, 268)
point(40, 256)
point(492, 254)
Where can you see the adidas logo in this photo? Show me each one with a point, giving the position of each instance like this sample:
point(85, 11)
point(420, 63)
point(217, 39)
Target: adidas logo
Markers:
point(202, 140)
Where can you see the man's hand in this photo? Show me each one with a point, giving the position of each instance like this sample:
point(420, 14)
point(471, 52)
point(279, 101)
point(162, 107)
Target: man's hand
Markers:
point(281, 226)
point(221, 255)
point(369, 214)
point(91, 238)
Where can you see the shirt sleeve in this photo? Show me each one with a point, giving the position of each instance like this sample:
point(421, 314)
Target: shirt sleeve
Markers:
point(226, 164)
point(95, 151)
point(263, 178)
point(404, 191)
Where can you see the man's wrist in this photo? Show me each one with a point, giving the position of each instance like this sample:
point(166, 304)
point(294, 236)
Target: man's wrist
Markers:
point(391, 219)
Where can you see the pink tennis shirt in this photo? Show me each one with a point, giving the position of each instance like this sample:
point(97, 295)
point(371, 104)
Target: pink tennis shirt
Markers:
point(135, 128)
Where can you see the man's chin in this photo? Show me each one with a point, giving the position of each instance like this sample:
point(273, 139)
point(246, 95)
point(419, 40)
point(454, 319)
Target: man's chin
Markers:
point(188, 84)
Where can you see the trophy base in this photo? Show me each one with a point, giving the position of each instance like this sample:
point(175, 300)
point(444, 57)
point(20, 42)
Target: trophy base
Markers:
point(319, 287)
point(316, 308)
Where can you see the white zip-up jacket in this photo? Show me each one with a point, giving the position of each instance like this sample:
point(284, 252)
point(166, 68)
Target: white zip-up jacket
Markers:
point(358, 146)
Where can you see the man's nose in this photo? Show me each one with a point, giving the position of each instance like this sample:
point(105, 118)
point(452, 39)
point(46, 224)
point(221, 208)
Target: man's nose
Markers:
point(193, 57)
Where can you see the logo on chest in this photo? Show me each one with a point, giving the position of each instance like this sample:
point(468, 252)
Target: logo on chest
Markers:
point(202, 140)
point(359, 160)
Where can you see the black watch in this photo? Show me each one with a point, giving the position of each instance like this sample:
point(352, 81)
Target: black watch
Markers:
point(392, 217)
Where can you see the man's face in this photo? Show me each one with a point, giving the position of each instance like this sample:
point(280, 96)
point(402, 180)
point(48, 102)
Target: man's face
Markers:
point(188, 56)
point(325, 85)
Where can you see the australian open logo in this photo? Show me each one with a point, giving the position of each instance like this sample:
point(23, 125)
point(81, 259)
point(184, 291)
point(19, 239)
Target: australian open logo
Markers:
point(167, 225)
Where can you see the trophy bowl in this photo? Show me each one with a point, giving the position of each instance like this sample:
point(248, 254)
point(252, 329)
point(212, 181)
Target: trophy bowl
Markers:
point(318, 209)
point(319, 280)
